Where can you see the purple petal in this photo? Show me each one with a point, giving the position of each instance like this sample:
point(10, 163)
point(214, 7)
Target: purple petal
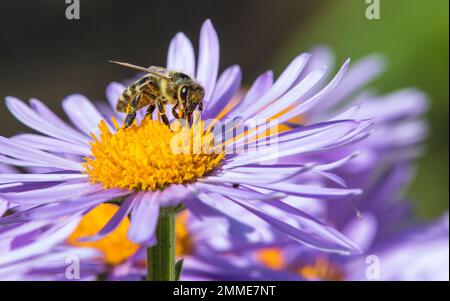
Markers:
point(282, 84)
point(331, 136)
point(208, 59)
point(21, 163)
point(402, 104)
point(297, 133)
point(144, 218)
point(362, 231)
point(47, 114)
point(314, 100)
point(3, 207)
point(113, 91)
point(364, 71)
point(311, 191)
point(181, 55)
point(83, 114)
point(18, 151)
point(22, 229)
point(11, 178)
point(332, 177)
point(320, 56)
point(55, 193)
point(227, 86)
point(307, 233)
point(348, 113)
point(233, 192)
point(293, 95)
point(30, 118)
point(48, 240)
point(114, 222)
point(258, 169)
point(51, 144)
point(107, 112)
point(174, 195)
point(255, 178)
point(337, 163)
point(55, 210)
point(259, 87)
point(244, 179)
point(215, 205)
point(7, 169)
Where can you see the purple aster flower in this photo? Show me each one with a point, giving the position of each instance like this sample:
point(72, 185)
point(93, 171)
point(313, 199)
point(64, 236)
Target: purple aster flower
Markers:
point(35, 251)
point(4, 205)
point(111, 258)
point(94, 161)
point(397, 133)
point(419, 253)
point(45, 250)
point(395, 246)
point(387, 227)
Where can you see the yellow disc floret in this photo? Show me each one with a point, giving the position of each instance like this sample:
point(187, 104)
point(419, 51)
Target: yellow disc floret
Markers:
point(322, 269)
point(271, 257)
point(115, 247)
point(183, 243)
point(150, 156)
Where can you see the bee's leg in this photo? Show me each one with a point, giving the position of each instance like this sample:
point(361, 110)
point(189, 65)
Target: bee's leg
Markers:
point(131, 111)
point(174, 111)
point(150, 110)
point(200, 107)
point(162, 111)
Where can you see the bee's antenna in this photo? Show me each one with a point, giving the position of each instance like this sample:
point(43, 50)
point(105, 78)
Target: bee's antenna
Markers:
point(130, 66)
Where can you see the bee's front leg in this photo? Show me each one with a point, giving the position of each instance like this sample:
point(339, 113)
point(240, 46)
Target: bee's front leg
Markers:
point(174, 111)
point(162, 111)
point(150, 110)
point(131, 111)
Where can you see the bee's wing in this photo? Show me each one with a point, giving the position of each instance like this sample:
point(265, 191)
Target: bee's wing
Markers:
point(157, 71)
point(164, 72)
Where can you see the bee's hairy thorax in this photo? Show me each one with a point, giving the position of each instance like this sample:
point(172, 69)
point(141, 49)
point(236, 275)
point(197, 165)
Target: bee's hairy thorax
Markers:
point(150, 89)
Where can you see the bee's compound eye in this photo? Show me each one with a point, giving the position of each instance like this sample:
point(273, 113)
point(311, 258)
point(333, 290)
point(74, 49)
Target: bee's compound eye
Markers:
point(184, 92)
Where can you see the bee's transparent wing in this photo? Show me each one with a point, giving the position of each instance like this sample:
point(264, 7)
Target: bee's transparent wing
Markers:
point(164, 72)
point(157, 71)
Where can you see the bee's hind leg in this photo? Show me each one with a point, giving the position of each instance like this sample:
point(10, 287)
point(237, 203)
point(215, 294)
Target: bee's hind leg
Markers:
point(131, 111)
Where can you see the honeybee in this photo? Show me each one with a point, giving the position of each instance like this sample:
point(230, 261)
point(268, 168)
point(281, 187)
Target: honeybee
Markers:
point(157, 88)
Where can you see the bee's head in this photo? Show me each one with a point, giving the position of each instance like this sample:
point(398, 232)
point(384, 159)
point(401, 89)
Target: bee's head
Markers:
point(191, 96)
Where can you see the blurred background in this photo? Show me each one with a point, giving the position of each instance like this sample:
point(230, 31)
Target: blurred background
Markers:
point(46, 56)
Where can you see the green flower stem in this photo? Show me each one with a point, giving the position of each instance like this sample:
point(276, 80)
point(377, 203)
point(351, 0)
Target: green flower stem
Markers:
point(161, 257)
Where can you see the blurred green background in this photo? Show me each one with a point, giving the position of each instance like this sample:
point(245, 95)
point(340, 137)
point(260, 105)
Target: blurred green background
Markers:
point(413, 36)
point(46, 56)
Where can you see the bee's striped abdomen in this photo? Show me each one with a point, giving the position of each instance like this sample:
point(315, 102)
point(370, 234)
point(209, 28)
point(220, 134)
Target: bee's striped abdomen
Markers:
point(126, 97)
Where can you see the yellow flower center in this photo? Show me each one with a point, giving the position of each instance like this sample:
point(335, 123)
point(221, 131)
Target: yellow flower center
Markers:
point(115, 247)
point(271, 257)
point(322, 270)
point(150, 156)
point(183, 242)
